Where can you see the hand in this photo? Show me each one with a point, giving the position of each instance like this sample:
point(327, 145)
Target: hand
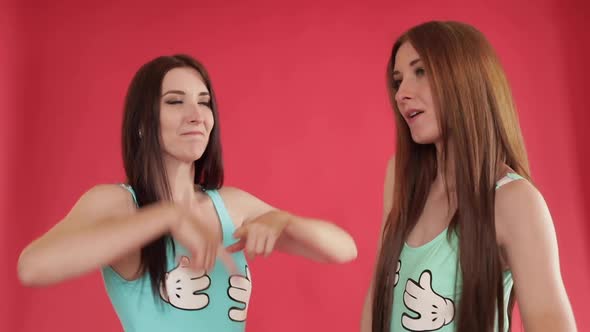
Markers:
point(239, 290)
point(203, 244)
point(433, 310)
point(259, 236)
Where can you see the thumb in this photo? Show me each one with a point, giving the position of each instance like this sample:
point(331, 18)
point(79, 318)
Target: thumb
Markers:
point(241, 232)
point(426, 280)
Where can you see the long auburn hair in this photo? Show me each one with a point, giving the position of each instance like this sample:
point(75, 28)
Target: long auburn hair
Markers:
point(142, 150)
point(472, 94)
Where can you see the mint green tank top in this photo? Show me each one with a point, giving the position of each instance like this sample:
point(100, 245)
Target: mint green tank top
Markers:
point(428, 283)
point(195, 301)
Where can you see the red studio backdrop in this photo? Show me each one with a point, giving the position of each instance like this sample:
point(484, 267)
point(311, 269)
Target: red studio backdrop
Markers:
point(305, 122)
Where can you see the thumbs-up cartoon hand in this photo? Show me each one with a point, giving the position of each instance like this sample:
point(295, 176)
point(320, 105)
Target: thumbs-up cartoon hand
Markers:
point(434, 311)
point(240, 288)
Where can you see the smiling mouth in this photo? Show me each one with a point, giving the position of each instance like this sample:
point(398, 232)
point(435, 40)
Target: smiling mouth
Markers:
point(415, 114)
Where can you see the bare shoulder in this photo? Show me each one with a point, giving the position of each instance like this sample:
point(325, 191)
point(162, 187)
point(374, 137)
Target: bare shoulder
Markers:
point(103, 200)
point(232, 193)
point(389, 186)
point(391, 164)
point(390, 172)
point(242, 205)
point(108, 196)
point(520, 208)
point(388, 193)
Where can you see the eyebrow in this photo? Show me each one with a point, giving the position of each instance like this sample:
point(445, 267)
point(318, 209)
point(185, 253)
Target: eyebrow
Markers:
point(180, 92)
point(412, 63)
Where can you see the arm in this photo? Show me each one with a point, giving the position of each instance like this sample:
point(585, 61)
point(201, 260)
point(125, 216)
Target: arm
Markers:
point(366, 319)
point(315, 239)
point(527, 237)
point(103, 228)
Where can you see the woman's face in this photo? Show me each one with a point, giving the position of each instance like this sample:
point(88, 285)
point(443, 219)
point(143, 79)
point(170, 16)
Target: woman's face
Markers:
point(413, 96)
point(186, 118)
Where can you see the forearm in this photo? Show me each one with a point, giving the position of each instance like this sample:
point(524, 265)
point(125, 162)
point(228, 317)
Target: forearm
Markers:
point(318, 240)
point(550, 322)
point(70, 253)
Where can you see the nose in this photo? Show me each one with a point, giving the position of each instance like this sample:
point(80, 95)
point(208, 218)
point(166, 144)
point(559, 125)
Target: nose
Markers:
point(405, 91)
point(195, 113)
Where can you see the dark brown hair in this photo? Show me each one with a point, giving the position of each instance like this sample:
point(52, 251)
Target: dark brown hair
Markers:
point(142, 151)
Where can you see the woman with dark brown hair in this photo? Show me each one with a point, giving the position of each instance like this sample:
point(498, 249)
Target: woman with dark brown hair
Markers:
point(465, 232)
point(161, 239)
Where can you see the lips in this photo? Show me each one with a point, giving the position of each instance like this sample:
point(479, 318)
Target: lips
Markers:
point(415, 114)
point(412, 114)
point(193, 133)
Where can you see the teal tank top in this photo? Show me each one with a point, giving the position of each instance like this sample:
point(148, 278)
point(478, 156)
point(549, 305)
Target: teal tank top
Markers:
point(194, 301)
point(428, 283)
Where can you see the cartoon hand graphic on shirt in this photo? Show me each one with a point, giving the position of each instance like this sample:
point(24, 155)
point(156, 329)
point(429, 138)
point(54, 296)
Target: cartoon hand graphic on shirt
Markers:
point(433, 310)
point(185, 286)
point(240, 288)
point(399, 266)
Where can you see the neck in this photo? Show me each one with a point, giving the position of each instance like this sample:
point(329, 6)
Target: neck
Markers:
point(181, 177)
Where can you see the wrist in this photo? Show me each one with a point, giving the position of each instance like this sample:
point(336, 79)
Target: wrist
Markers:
point(285, 217)
point(173, 216)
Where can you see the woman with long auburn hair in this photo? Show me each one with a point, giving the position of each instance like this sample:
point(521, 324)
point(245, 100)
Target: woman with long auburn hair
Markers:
point(465, 232)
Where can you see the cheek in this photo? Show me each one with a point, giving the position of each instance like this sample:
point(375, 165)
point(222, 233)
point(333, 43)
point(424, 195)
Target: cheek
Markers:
point(429, 105)
point(167, 128)
point(209, 121)
point(431, 125)
point(427, 98)
point(424, 92)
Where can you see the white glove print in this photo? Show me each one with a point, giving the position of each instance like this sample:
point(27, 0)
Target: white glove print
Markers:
point(433, 310)
point(240, 288)
point(184, 287)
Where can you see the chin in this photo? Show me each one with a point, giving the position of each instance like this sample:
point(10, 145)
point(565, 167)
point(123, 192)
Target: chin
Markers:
point(189, 157)
point(425, 139)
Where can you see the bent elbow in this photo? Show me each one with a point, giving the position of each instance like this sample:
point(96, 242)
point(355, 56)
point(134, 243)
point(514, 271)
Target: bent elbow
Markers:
point(28, 271)
point(346, 254)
